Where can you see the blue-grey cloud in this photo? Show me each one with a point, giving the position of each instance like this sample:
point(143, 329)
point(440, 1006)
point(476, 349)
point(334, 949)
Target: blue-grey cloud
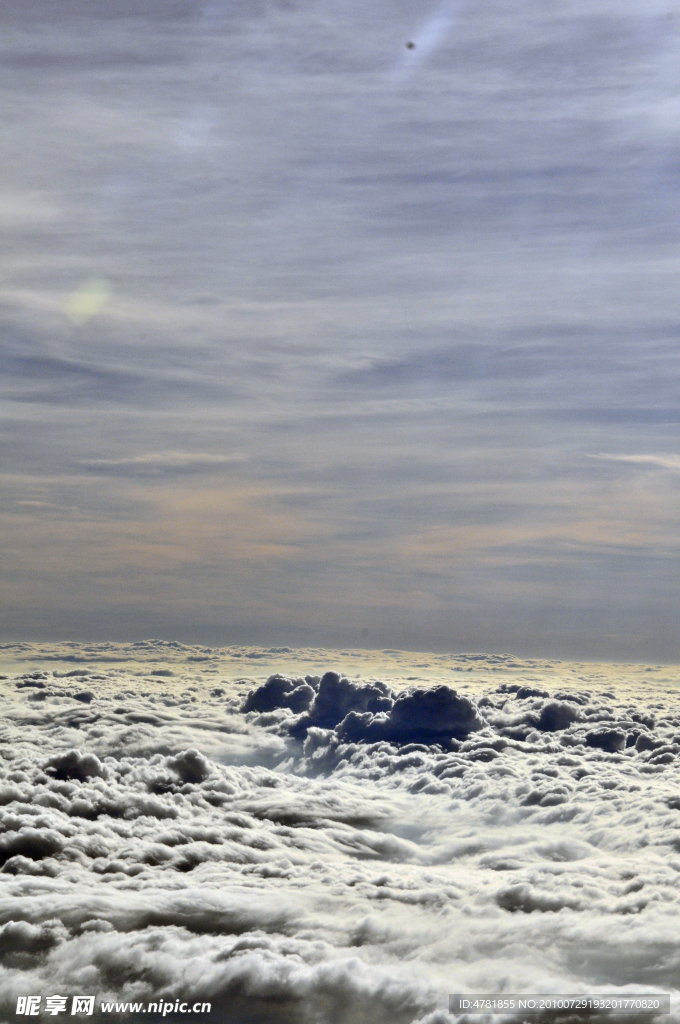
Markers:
point(414, 290)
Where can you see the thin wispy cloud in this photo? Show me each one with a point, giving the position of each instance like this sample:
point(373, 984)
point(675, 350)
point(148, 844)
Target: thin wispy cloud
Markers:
point(152, 463)
point(660, 461)
point(416, 307)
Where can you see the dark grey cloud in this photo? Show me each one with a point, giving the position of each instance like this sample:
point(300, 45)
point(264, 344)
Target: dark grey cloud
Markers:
point(370, 711)
point(65, 380)
point(40, 378)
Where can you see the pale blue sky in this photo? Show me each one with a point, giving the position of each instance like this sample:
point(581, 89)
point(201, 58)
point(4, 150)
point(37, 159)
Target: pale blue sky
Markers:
point(389, 351)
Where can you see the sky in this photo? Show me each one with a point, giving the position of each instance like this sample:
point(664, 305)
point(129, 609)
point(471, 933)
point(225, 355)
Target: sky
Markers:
point(313, 338)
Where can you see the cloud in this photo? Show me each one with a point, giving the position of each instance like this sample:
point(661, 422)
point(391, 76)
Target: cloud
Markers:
point(21, 208)
point(75, 765)
point(393, 297)
point(154, 464)
point(369, 711)
point(426, 40)
point(660, 461)
point(329, 848)
point(40, 377)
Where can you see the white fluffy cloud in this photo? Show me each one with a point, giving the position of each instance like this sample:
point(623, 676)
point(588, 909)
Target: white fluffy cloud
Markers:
point(292, 856)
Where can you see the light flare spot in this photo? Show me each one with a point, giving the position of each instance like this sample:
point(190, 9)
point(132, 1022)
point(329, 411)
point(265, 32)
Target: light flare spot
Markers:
point(88, 299)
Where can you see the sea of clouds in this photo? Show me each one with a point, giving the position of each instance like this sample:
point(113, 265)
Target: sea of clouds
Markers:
point(310, 848)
